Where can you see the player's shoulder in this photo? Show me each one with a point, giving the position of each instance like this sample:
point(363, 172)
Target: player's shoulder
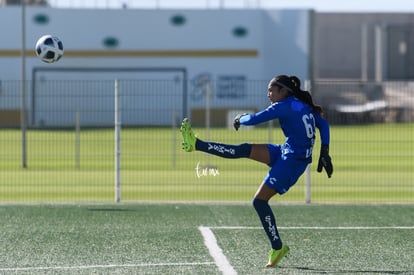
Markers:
point(298, 105)
point(278, 106)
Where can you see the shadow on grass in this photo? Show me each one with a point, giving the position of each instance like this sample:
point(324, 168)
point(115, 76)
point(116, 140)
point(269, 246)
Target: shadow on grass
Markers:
point(328, 271)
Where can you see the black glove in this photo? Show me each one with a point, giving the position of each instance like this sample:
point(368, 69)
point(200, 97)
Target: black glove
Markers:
point(325, 161)
point(236, 122)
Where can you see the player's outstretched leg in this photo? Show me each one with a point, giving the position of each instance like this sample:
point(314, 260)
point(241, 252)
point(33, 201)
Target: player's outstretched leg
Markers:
point(192, 143)
point(275, 256)
point(189, 138)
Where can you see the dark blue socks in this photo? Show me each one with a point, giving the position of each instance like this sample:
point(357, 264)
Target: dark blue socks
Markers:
point(224, 150)
point(268, 221)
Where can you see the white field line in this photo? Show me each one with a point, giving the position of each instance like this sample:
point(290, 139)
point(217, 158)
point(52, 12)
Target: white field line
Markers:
point(317, 227)
point(215, 251)
point(82, 267)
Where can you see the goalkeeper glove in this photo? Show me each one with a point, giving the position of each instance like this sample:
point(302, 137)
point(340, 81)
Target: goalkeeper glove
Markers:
point(325, 161)
point(236, 122)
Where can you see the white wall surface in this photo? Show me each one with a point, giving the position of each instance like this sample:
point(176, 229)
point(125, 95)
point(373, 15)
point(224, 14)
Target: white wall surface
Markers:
point(277, 42)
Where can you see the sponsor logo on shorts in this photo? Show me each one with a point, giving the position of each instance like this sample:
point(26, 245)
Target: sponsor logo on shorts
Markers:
point(272, 181)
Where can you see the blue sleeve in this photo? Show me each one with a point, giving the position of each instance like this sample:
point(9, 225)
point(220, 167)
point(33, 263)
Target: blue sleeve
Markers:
point(323, 127)
point(267, 114)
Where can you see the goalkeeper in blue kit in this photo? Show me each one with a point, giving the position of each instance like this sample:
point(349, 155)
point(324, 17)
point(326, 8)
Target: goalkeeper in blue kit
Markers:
point(298, 117)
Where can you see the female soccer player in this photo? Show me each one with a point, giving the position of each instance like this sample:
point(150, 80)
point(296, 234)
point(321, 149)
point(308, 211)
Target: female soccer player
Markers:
point(298, 116)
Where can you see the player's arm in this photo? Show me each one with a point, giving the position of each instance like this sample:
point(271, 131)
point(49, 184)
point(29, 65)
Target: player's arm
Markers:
point(252, 119)
point(324, 157)
point(324, 130)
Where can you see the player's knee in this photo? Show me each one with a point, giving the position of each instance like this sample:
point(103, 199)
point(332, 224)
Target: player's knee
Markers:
point(245, 149)
point(258, 203)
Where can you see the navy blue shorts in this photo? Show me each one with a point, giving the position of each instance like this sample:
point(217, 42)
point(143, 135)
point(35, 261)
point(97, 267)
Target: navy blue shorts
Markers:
point(285, 170)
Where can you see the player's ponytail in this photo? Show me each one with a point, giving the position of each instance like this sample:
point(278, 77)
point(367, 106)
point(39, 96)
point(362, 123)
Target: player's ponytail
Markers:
point(292, 83)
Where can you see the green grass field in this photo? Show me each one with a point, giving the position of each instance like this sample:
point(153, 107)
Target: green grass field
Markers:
point(167, 239)
point(373, 164)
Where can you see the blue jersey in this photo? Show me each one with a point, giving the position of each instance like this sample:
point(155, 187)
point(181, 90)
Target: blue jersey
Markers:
point(298, 121)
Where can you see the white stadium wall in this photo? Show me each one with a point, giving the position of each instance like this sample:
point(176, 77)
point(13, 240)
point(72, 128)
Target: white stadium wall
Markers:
point(186, 47)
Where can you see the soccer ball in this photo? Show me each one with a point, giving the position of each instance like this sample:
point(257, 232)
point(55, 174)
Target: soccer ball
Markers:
point(49, 48)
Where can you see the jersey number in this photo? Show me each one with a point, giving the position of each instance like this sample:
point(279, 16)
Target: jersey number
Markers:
point(309, 122)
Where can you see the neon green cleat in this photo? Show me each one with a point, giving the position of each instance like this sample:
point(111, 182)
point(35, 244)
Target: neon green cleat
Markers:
point(189, 138)
point(275, 256)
